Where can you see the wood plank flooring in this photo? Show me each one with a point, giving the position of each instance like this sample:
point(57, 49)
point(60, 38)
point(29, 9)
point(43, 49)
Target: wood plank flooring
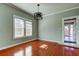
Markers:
point(40, 48)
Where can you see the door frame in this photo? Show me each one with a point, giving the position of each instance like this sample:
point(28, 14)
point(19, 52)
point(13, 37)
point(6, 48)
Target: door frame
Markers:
point(76, 28)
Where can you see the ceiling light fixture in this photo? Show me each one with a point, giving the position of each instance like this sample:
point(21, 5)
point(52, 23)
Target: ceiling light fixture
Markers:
point(38, 15)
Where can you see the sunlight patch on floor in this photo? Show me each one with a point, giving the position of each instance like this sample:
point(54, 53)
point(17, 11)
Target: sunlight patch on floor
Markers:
point(44, 46)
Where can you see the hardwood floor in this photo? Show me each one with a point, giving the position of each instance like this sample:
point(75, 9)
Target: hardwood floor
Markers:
point(40, 48)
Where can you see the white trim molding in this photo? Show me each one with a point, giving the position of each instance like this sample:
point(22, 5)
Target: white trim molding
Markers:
point(61, 11)
point(60, 43)
point(16, 44)
point(77, 30)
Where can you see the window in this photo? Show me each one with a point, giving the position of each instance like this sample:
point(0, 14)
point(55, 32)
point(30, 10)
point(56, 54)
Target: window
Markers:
point(18, 27)
point(28, 28)
point(22, 28)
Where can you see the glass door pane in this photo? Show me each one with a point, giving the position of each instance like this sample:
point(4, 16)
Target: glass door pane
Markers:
point(66, 36)
point(69, 33)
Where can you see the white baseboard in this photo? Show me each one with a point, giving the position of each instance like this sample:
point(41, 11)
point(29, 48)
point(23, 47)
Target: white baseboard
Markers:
point(53, 41)
point(2, 48)
point(61, 43)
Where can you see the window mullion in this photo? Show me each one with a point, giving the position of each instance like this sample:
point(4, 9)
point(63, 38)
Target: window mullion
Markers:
point(24, 29)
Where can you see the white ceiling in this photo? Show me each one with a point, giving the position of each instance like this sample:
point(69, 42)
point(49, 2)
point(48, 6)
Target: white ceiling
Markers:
point(45, 8)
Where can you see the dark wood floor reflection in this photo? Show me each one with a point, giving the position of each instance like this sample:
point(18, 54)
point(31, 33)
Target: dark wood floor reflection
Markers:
point(40, 48)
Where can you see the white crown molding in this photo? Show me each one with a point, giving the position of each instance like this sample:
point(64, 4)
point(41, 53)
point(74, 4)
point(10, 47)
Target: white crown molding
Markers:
point(61, 11)
point(10, 4)
point(13, 6)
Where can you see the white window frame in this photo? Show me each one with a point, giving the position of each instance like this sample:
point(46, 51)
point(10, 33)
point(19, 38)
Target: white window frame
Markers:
point(15, 16)
point(26, 28)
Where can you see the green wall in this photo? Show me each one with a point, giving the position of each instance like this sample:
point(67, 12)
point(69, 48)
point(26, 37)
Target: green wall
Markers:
point(6, 25)
point(50, 27)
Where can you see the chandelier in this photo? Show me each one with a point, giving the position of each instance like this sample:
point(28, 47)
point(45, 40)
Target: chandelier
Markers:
point(38, 15)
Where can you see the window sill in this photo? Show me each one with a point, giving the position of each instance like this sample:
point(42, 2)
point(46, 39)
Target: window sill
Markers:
point(19, 38)
point(28, 36)
point(23, 37)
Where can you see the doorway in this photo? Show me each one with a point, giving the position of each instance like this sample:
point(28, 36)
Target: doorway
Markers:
point(69, 31)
